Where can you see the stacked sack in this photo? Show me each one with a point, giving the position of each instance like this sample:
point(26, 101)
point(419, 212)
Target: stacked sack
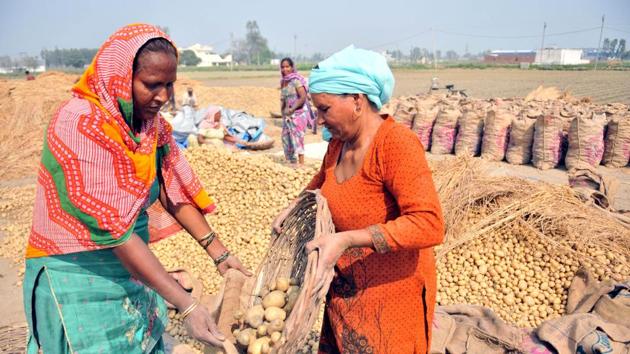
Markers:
point(545, 132)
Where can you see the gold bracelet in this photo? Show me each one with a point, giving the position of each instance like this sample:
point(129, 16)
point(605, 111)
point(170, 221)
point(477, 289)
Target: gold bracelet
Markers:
point(207, 239)
point(190, 309)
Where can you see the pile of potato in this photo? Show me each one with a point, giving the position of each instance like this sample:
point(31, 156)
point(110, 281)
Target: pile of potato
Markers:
point(260, 327)
point(250, 190)
point(523, 278)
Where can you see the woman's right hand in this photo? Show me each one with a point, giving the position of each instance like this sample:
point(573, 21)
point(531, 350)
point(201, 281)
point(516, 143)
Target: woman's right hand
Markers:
point(276, 226)
point(202, 326)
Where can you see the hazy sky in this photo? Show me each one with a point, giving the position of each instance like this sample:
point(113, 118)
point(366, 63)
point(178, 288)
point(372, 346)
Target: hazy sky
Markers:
point(27, 26)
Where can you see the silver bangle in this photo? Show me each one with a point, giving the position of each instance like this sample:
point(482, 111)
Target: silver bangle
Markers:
point(222, 258)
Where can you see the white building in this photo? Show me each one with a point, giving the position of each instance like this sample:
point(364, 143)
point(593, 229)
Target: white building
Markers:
point(21, 69)
point(559, 56)
point(208, 58)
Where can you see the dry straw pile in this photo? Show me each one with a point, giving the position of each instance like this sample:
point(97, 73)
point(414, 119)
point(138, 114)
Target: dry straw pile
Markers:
point(514, 245)
point(26, 107)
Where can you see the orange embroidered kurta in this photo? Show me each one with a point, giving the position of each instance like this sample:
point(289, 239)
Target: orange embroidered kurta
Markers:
point(382, 301)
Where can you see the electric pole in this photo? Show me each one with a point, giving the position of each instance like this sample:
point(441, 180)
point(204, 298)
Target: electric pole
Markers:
point(542, 43)
point(295, 47)
point(434, 57)
point(599, 45)
point(232, 50)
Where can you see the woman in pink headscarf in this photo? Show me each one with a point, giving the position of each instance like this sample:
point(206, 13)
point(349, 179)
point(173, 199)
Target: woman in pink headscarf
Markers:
point(296, 113)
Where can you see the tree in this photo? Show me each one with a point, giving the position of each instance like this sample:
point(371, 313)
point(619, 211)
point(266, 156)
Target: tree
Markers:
point(189, 58)
point(613, 47)
point(77, 58)
point(29, 63)
point(6, 62)
point(165, 29)
point(256, 45)
point(606, 45)
point(621, 49)
point(416, 54)
point(452, 55)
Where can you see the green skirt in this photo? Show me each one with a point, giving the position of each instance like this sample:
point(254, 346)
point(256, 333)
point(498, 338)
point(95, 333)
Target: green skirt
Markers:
point(88, 303)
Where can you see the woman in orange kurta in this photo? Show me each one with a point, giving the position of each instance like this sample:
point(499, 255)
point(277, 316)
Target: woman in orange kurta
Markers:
point(385, 210)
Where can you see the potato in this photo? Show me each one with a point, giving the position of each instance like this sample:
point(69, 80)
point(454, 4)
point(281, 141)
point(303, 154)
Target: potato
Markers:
point(276, 325)
point(256, 347)
point(282, 284)
point(255, 316)
point(275, 298)
point(275, 313)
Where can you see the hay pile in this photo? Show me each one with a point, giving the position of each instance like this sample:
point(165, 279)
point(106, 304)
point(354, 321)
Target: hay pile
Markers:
point(26, 107)
point(258, 101)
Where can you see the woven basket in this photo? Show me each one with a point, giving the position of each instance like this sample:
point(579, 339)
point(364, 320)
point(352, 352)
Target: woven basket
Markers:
point(13, 339)
point(259, 145)
point(286, 257)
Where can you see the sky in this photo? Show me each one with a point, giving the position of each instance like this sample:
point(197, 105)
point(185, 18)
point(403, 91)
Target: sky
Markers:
point(324, 26)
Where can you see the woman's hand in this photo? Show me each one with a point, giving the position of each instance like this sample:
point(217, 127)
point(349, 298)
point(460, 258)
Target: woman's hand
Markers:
point(202, 326)
point(276, 226)
point(330, 248)
point(232, 262)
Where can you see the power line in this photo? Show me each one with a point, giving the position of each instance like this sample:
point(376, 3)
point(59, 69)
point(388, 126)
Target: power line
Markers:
point(400, 40)
point(516, 37)
point(453, 33)
point(616, 29)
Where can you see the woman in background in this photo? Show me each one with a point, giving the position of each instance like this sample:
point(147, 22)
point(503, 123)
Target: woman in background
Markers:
point(296, 112)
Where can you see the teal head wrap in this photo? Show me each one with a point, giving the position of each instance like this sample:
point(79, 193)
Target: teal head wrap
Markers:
point(354, 70)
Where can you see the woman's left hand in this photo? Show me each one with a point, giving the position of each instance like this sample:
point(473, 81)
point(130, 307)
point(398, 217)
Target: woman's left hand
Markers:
point(232, 262)
point(330, 248)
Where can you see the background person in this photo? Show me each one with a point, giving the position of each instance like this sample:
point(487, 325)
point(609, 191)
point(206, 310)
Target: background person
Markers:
point(295, 111)
point(189, 98)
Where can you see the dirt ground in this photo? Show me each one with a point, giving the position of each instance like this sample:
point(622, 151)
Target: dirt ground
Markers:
point(601, 86)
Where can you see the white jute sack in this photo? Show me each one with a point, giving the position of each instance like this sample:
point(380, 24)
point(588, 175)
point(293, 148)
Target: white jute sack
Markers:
point(495, 134)
point(469, 133)
point(519, 151)
point(548, 137)
point(444, 131)
point(586, 141)
point(617, 144)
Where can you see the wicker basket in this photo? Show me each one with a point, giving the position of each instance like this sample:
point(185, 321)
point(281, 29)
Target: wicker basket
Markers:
point(287, 258)
point(259, 145)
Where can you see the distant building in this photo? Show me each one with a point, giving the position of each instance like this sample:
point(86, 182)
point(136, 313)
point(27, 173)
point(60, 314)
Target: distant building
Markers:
point(388, 57)
point(560, 56)
point(510, 56)
point(208, 58)
point(20, 69)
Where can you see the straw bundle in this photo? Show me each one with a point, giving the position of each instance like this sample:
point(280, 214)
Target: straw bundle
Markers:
point(556, 212)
